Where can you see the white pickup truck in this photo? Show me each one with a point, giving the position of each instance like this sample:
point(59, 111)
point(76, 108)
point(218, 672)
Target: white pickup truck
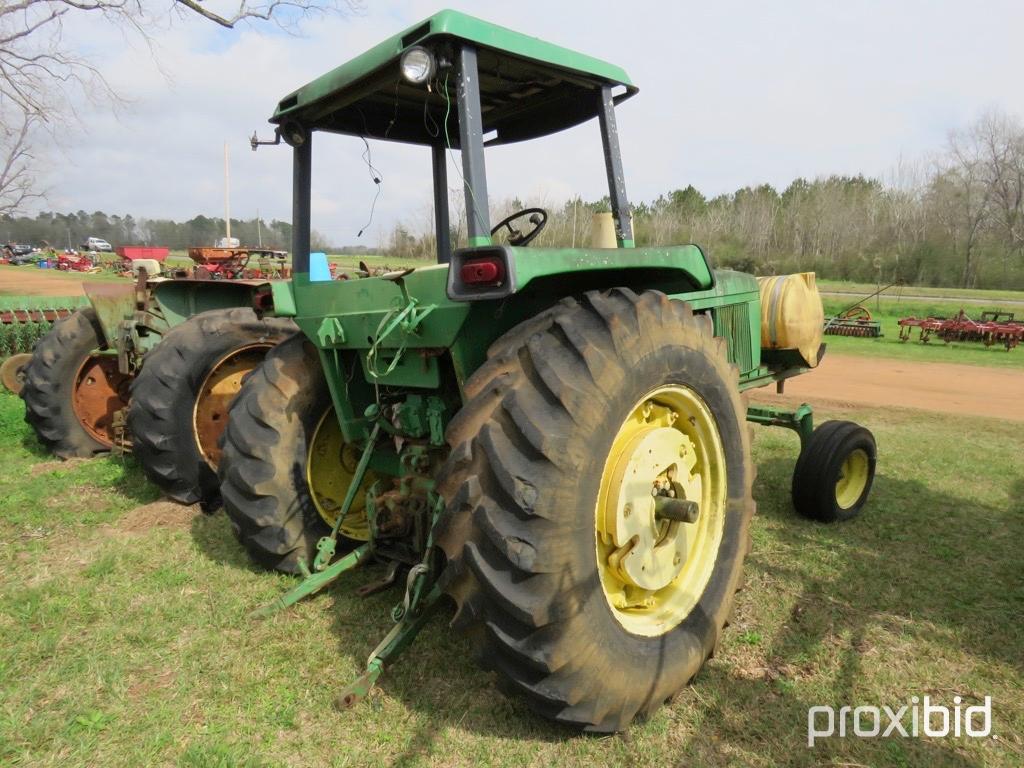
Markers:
point(96, 244)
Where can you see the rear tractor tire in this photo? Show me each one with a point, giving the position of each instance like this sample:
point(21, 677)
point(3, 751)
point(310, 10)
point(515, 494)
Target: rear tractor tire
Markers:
point(73, 390)
point(180, 398)
point(285, 468)
point(598, 505)
point(834, 472)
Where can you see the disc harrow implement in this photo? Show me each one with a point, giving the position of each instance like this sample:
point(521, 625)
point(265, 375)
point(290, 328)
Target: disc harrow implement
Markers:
point(855, 321)
point(992, 328)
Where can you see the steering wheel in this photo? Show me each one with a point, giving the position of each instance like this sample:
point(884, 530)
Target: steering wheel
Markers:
point(538, 218)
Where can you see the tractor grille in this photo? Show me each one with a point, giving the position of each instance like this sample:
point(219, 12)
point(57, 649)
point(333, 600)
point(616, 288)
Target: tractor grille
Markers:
point(733, 323)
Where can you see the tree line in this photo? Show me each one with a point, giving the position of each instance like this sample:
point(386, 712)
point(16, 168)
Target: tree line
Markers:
point(955, 219)
point(63, 230)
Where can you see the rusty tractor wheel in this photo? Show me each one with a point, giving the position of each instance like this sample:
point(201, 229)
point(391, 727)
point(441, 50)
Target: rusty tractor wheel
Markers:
point(12, 372)
point(598, 505)
point(285, 467)
point(73, 388)
point(180, 398)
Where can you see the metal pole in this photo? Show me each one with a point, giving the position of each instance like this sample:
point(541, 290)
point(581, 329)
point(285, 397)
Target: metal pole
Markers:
point(227, 195)
point(471, 140)
point(613, 165)
point(302, 172)
point(442, 228)
point(575, 204)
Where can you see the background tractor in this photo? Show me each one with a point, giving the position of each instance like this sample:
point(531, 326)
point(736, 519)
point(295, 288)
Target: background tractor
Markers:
point(555, 439)
point(86, 390)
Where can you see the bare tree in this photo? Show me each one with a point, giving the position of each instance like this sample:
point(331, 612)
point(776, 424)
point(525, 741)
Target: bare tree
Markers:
point(17, 185)
point(1000, 140)
point(963, 198)
point(42, 78)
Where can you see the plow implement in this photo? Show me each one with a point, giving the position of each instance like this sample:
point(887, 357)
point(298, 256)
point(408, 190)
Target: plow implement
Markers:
point(855, 321)
point(991, 328)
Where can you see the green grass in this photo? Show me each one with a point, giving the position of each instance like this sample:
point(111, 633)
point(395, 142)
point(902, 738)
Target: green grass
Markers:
point(935, 351)
point(127, 644)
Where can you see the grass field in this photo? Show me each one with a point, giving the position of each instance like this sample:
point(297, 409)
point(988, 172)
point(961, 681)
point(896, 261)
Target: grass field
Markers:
point(126, 642)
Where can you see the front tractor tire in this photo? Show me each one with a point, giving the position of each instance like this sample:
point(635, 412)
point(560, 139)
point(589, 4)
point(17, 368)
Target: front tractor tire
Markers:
point(73, 388)
point(598, 505)
point(180, 398)
point(284, 466)
point(835, 472)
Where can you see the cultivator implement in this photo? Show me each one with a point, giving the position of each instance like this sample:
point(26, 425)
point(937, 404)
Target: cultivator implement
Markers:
point(992, 328)
point(855, 321)
point(22, 310)
point(24, 320)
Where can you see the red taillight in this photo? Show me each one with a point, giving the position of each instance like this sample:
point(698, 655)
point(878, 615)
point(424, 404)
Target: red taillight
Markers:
point(489, 271)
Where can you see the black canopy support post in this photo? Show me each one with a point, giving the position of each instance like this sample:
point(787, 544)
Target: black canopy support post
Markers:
point(613, 165)
point(442, 227)
point(471, 139)
point(302, 179)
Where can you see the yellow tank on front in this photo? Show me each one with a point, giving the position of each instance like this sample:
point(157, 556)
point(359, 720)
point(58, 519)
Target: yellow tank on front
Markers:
point(791, 314)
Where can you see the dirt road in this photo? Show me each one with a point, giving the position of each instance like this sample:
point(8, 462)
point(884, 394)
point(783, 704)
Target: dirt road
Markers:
point(971, 390)
point(31, 281)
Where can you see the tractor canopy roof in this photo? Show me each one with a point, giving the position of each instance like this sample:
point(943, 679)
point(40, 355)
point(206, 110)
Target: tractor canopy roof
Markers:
point(528, 87)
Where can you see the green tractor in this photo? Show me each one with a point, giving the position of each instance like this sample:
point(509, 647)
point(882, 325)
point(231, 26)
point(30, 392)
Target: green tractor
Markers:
point(86, 390)
point(555, 439)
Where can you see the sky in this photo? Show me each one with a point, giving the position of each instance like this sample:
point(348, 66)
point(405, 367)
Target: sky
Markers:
point(731, 94)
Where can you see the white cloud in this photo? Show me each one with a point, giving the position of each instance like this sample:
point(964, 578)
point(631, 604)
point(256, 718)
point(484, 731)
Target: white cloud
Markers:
point(731, 94)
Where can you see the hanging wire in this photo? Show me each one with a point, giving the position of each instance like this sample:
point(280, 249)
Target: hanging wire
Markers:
point(458, 168)
point(378, 180)
point(436, 131)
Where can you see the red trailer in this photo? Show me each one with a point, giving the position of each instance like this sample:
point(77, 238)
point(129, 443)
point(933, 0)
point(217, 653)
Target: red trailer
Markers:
point(133, 252)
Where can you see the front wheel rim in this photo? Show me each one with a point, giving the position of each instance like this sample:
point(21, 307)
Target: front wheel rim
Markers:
point(653, 569)
point(853, 478)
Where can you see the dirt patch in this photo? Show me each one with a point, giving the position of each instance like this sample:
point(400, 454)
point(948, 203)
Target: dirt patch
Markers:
point(966, 390)
point(45, 467)
point(158, 514)
point(31, 281)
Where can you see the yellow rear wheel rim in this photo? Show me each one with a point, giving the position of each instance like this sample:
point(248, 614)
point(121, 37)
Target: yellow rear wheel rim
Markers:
point(330, 466)
point(654, 571)
point(853, 478)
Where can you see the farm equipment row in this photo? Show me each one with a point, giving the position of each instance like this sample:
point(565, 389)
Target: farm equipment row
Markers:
point(992, 328)
point(553, 440)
